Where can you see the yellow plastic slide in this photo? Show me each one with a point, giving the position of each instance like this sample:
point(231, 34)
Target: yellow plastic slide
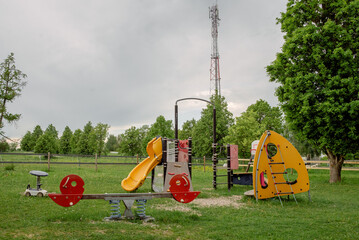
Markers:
point(138, 175)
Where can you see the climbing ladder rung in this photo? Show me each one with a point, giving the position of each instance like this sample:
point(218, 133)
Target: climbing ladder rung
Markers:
point(222, 168)
point(282, 183)
point(221, 175)
point(279, 173)
point(276, 163)
point(284, 193)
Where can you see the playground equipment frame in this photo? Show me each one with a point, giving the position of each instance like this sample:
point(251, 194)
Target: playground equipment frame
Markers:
point(214, 144)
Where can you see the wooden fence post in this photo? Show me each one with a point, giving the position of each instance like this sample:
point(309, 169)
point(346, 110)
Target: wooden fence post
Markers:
point(96, 161)
point(48, 161)
point(137, 158)
point(204, 163)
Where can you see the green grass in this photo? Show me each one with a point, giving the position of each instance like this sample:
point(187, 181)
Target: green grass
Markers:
point(332, 214)
point(10, 167)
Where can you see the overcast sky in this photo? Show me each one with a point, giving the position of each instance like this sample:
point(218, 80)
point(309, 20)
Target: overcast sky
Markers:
point(125, 62)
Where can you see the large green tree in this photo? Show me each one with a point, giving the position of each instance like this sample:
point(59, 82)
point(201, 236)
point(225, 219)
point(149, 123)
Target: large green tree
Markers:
point(244, 132)
point(91, 140)
point(203, 130)
point(4, 145)
point(187, 129)
point(86, 141)
point(317, 71)
point(65, 141)
point(144, 130)
point(131, 142)
point(302, 145)
point(112, 143)
point(101, 133)
point(11, 83)
point(270, 118)
point(36, 134)
point(161, 127)
point(26, 142)
point(251, 125)
point(74, 142)
point(48, 142)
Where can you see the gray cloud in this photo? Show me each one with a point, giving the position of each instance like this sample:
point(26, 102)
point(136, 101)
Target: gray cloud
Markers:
point(126, 62)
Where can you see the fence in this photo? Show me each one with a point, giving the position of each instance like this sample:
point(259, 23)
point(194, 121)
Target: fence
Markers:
point(348, 165)
point(48, 158)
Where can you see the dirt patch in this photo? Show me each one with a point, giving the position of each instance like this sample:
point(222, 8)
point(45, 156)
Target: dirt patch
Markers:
point(231, 201)
point(149, 224)
point(100, 231)
point(178, 207)
point(162, 233)
point(25, 235)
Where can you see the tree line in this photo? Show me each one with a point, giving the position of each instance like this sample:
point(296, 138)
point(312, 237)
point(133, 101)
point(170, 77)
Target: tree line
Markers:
point(242, 130)
point(89, 141)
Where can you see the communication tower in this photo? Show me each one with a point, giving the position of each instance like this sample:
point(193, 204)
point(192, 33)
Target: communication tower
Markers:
point(215, 79)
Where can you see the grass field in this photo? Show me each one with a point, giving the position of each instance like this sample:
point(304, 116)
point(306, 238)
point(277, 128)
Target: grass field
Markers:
point(332, 214)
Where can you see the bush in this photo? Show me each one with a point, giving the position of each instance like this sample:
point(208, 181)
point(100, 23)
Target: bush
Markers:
point(4, 146)
point(10, 167)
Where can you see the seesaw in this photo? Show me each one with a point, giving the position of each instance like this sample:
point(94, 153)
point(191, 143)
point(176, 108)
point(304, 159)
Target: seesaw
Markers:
point(72, 188)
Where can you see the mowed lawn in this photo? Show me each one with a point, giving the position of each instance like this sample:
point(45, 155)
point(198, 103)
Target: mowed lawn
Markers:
point(333, 212)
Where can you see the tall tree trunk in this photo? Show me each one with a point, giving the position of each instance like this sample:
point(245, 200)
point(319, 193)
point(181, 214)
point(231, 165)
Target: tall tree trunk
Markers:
point(335, 165)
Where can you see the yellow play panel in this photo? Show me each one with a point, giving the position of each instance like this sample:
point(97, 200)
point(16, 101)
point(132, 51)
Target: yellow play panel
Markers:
point(278, 168)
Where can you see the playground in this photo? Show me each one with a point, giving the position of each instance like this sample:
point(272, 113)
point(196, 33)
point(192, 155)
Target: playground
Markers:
point(276, 195)
point(214, 214)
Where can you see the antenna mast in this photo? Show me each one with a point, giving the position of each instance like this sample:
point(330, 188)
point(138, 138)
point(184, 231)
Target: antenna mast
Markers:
point(215, 84)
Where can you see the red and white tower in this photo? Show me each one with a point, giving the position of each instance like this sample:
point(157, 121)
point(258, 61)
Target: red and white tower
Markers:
point(215, 79)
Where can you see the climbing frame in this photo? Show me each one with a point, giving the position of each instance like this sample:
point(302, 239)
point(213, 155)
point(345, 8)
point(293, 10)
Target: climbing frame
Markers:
point(278, 168)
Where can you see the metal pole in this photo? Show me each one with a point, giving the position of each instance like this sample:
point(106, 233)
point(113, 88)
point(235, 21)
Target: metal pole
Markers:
point(48, 161)
point(229, 179)
point(214, 131)
point(214, 158)
point(204, 163)
point(190, 156)
point(176, 149)
point(164, 159)
point(214, 146)
point(152, 179)
point(176, 121)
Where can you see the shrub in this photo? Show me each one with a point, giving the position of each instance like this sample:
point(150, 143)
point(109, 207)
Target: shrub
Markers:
point(10, 167)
